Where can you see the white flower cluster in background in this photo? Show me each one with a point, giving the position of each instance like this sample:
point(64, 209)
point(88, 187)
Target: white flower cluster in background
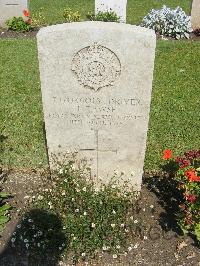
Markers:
point(168, 22)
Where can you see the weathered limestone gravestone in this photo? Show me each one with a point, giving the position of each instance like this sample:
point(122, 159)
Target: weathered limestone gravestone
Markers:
point(118, 6)
point(11, 8)
point(96, 81)
point(195, 14)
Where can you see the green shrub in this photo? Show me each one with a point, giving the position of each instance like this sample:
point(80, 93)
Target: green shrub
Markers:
point(108, 16)
point(187, 176)
point(18, 24)
point(70, 15)
point(93, 219)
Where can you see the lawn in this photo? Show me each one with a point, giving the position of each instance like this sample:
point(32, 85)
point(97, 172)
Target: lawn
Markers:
point(174, 119)
point(136, 9)
point(20, 101)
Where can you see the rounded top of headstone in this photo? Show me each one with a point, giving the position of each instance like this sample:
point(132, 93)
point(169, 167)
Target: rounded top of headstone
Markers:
point(89, 25)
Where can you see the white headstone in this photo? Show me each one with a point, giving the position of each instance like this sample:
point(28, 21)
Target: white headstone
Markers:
point(96, 80)
point(118, 6)
point(195, 14)
point(11, 8)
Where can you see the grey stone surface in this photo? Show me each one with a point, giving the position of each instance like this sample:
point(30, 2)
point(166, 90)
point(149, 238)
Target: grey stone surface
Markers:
point(11, 8)
point(96, 81)
point(119, 7)
point(195, 14)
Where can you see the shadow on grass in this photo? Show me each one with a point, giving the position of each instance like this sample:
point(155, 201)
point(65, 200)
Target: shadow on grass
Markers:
point(3, 138)
point(37, 240)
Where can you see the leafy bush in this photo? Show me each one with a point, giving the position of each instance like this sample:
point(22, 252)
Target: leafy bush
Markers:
point(71, 16)
point(4, 207)
point(18, 24)
point(93, 219)
point(108, 16)
point(187, 175)
point(168, 22)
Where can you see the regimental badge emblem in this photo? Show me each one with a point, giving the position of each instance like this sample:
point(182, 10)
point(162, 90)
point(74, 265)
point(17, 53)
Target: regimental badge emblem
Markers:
point(96, 66)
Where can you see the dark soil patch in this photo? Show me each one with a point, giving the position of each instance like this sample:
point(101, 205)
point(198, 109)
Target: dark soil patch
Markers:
point(194, 37)
point(9, 34)
point(24, 187)
point(156, 240)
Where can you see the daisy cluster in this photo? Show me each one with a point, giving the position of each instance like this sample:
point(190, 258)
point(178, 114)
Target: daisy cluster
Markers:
point(95, 219)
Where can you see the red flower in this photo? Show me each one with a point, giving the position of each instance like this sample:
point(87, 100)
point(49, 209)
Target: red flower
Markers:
point(190, 198)
point(192, 154)
point(26, 13)
point(167, 154)
point(191, 175)
point(182, 162)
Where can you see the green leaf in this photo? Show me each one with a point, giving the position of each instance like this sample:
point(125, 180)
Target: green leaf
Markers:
point(4, 195)
point(4, 208)
point(4, 219)
point(197, 231)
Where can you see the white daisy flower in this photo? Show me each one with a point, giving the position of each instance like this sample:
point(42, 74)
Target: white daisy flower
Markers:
point(130, 248)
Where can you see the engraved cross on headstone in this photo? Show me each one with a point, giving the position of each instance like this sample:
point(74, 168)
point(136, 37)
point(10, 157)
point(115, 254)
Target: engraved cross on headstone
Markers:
point(98, 149)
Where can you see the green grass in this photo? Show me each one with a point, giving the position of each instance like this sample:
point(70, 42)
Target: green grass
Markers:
point(174, 120)
point(53, 10)
point(136, 9)
point(20, 103)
